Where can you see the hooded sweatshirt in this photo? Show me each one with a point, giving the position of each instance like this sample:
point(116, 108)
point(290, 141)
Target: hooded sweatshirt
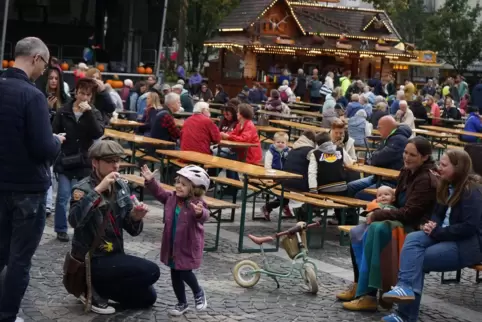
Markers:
point(326, 171)
point(297, 162)
point(473, 124)
point(359, 128)
point(352, 108)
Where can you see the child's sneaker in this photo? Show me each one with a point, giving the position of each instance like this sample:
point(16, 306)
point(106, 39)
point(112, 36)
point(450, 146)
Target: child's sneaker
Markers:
point(201, 301)
point(399, 294)
point(179, 309)
point(287, 211)
point(392, 318)
point(266, 213)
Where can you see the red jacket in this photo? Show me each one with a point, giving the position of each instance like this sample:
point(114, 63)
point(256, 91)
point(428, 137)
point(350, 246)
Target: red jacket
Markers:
point(249, 134)
point(198, 132)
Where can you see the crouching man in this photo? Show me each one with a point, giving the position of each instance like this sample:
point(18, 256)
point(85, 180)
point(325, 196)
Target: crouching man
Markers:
point(101, 208)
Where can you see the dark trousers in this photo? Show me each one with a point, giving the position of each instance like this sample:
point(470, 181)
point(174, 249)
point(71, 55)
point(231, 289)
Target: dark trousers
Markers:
point(125, 279)
point(178, 278)
point(315, 100)
point(276, 203)
point(22, 222)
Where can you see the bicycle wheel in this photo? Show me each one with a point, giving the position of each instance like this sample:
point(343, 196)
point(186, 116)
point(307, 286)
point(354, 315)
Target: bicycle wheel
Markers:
point(309, 277)
point(244, 273)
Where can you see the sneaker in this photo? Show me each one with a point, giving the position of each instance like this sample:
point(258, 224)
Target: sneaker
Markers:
point(332, 222)
point(19, 319)
point(99, 305)
point(364, 303)
point(287, 211)
point(48, 212)
point(349, 294)
point(392, 318)
point(63, 237)
point(266, 213)
point(179, 309)
point(399, 294)
point(201, 301)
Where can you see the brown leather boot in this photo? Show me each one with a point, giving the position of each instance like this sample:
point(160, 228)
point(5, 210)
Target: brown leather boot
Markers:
point(349, 294)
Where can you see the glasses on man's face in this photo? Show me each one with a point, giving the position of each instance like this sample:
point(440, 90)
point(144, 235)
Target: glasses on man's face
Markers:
point(46, 64)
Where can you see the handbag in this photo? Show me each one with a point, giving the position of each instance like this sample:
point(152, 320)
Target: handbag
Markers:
point(74, 278)
point(72, 161)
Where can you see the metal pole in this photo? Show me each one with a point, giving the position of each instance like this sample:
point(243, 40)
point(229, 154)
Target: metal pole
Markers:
point(130, 36)
point(161, 40)
point(4, 30)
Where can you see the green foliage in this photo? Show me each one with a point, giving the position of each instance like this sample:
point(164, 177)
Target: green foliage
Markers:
point(455, 32)
point(203, 17)
point(408, 16)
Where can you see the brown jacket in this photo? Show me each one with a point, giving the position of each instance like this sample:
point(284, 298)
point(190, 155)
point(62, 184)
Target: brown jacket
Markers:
point(420, 196)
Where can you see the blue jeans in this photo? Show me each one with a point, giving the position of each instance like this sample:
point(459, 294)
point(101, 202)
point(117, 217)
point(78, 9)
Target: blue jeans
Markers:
point(50, 198)
point(355, 188)
point(64, 192)
point(420, 254)
point(22, 222)
point(125, 279)
point(228, 154)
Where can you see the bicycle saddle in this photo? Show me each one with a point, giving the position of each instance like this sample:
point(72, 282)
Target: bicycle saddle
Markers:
point(260, 240)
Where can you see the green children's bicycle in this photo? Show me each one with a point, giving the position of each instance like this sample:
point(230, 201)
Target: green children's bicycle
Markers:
point(247, 273)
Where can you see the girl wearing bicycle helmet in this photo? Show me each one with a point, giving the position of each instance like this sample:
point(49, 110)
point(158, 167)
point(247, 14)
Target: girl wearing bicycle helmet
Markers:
point(183, 238)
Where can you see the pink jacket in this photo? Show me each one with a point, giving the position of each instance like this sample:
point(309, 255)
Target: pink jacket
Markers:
point(187, 250)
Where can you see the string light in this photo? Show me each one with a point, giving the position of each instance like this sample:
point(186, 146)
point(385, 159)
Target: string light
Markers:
point(321, 5)
point(368, 24)
point(231, 29)
point(264, 11)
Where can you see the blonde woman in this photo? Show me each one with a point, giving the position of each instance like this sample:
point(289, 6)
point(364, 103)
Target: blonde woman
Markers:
point(153, 102)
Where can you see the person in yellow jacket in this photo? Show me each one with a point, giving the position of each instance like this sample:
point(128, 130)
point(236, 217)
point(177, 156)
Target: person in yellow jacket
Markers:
point(409, 90)
point(345, 81)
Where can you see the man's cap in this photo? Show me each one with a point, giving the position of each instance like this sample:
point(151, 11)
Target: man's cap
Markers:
point(166, 87)
point(178, 86)
point(106, 149)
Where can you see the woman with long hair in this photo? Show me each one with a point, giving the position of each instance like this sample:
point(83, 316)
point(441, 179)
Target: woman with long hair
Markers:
point(376, 244)
point(450, 241)
point(153, 102)
point(54, 89)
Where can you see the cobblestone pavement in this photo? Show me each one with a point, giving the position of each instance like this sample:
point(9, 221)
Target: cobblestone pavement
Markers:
point(46, 299)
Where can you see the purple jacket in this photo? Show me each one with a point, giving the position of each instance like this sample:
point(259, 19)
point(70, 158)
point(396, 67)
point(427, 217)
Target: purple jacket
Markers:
point(189, 240)
point(195, 79)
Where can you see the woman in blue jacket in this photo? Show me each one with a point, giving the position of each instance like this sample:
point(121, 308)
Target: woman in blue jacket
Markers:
point(473, 124)
point(450, 241)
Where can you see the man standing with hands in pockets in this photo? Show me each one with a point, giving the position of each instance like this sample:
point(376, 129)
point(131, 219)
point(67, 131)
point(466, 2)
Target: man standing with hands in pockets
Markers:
point(101, 208)
point(27, 150)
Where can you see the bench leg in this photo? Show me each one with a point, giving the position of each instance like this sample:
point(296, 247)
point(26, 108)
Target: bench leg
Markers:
point(217, 215)
point(344, 241)
point(324, 223)
point(141, 194)
point(477, 277)
point(219, 194)
point(451, 280)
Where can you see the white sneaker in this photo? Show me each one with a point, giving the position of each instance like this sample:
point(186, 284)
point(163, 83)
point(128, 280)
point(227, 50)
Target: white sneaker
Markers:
point(179, 309)
point(98, 307)
point(201, 301)
point(19, 319)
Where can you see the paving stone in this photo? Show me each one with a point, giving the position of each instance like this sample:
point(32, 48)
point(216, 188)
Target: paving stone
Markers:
point(47, 300)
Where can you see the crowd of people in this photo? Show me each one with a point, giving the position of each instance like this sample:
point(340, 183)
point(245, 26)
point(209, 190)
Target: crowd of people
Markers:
point(426, 220)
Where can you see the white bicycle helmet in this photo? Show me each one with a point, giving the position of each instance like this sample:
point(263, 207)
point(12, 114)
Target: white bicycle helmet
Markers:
point(197, 175)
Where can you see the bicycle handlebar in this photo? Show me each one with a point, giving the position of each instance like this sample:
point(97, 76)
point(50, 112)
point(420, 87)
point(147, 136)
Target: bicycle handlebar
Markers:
point(297, 228)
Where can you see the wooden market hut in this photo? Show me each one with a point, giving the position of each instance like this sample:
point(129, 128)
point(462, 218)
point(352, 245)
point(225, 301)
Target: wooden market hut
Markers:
point(260, 38)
